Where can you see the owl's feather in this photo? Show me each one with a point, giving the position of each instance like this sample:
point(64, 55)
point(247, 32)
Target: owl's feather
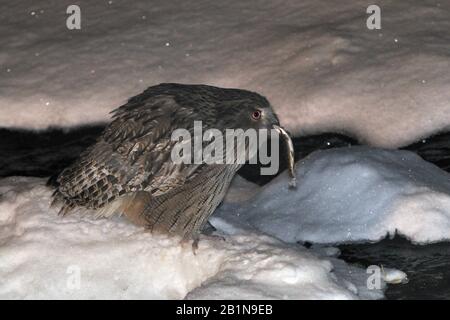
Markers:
point(132, 155)
point(129, 169)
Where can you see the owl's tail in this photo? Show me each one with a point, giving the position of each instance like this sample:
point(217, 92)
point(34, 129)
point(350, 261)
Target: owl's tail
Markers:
point(64, 204)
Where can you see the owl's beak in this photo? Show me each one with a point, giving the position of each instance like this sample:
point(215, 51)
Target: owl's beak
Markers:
point(290, 149)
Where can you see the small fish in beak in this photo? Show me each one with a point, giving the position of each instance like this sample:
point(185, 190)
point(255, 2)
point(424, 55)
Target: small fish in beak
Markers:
point(291, 160)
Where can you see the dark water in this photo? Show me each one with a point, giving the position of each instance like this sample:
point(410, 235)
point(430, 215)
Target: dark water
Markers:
point(42, 154)
point(427, 266)
point(46, 153)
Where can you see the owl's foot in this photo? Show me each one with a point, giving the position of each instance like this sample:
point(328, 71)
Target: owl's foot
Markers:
point(195, 245)
point(196, 240)
point(193, 242)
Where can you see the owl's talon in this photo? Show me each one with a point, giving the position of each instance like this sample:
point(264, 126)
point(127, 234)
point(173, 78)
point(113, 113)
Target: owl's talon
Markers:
point(195, 246)
point(196, 240)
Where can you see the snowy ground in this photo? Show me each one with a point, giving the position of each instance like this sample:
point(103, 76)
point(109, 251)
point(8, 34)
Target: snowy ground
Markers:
point(322, 69)
point(348, 195)
point(315, 60)
point(48, 257)
point(344, 195)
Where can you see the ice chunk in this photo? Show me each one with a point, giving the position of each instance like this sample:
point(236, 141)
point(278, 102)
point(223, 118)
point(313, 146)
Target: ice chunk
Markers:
point(394, 276)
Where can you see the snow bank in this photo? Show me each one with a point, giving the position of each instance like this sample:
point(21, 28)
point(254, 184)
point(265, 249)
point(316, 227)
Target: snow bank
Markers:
point(351, 194)
point(45, 256)
point(315, 60)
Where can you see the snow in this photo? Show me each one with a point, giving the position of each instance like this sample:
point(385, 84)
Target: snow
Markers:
point(346, 195)
point(321, 68)
point(44, 256)
point(316, 61)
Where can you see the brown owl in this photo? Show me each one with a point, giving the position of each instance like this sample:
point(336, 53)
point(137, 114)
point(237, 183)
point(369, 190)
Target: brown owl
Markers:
point(129, 169)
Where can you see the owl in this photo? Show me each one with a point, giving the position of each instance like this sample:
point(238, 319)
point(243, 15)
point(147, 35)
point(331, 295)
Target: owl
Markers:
point(129, 170)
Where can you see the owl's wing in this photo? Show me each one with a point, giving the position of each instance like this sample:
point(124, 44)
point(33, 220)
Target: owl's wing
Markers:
point(182, 210)
point(132, 155)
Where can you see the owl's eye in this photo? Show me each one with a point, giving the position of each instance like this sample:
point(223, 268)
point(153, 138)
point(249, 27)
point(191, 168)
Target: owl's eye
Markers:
point(256, 115)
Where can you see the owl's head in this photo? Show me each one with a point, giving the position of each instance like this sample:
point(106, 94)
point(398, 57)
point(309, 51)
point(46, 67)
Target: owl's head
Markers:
point(250, 111)
point(253, 111)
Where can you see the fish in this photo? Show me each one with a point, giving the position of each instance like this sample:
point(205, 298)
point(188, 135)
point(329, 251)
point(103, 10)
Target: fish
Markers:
point(290, 155)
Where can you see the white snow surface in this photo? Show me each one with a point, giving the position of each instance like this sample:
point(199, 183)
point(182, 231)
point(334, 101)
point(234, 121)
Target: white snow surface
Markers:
point(348, 195)
point(316, 61)
point(44, 256)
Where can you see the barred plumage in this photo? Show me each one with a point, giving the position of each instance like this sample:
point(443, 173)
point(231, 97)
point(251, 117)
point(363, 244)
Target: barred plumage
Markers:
point(129, 170)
